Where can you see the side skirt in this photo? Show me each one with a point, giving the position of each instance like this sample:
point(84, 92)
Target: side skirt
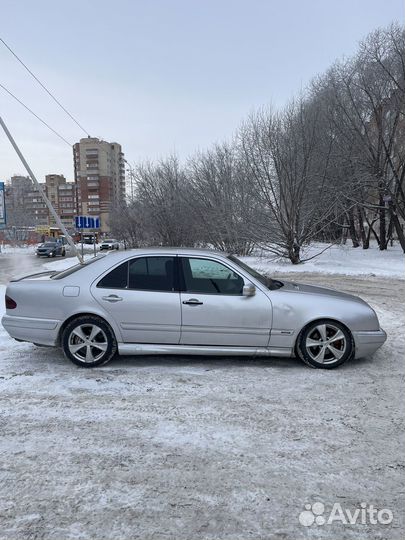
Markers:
point(150, 348)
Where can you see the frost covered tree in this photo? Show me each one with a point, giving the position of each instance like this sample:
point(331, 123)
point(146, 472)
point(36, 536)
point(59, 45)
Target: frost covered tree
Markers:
point(365, 99)
point(282, 151)
point(222, 199)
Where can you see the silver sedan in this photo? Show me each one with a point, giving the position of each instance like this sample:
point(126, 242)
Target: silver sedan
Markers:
point(186, 301)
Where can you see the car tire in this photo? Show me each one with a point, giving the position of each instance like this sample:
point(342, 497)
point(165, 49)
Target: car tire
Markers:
point(63, 253)
point(53, 255)
point(96, 350)
point(325, 344)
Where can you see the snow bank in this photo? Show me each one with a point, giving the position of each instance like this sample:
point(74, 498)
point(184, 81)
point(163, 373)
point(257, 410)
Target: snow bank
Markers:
point(343, 260)
point(62, 264)
point(23, 250)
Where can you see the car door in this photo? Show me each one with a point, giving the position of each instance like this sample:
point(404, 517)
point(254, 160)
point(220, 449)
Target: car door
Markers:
point(141, 295)
point(214, 310)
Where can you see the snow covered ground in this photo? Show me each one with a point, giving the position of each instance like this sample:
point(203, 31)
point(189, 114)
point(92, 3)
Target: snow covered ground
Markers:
point(344, 260)
point(179, 448)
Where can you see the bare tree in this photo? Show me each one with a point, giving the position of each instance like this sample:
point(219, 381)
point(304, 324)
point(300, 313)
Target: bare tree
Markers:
point(127, 223)
point(282, 151)
point(366, 102)
point(161, 190)
point(221, 198)
point(328, 166)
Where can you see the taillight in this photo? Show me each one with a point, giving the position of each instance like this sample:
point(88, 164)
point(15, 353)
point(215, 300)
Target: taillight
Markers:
point(10, 303)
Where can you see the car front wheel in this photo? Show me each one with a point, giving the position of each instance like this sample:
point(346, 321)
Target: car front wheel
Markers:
point(325, 344)
point(89, 341)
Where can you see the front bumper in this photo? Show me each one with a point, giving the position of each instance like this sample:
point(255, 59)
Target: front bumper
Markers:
point(41, 331)
point(367, 343)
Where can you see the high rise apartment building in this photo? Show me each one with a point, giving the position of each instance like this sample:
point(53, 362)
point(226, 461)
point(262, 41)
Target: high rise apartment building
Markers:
point(26, 207)
point(24, 204)
point(99, 168)
point(35, 208)
point(62, 195)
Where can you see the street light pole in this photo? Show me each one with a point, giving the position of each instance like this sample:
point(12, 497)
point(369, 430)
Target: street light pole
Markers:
point(41, 191)
point(131, 176)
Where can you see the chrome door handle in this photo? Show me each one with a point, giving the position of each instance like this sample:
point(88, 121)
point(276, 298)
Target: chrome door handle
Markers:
point(193, 302)
point(112, 298)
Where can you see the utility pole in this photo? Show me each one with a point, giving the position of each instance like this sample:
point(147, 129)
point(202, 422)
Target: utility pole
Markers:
point(41, 191)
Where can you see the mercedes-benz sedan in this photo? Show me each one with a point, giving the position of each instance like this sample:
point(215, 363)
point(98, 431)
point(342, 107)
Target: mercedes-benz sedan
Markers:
point(186, 301)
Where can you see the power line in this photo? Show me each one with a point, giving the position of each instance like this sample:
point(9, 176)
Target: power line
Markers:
point(36, 116)
point(44, 87)
point(49, 93)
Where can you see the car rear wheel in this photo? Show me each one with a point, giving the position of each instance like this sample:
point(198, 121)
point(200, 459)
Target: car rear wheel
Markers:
point(88, 341)
point(325, 344)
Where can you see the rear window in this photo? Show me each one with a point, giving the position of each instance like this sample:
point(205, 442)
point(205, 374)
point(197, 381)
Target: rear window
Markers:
point(116, 279)
point(141, 274)
point(151, 274)
point(76, 267)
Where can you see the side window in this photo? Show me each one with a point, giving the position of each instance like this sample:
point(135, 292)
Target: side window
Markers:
point(116, 279)
point(151, 274)
point(212, 277)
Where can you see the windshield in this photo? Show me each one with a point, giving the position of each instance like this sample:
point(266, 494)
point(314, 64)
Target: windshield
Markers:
point(49, 244)
point(75, 268)
point(270, 283)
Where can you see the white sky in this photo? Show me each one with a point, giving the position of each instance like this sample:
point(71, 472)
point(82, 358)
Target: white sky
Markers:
point(160, 76)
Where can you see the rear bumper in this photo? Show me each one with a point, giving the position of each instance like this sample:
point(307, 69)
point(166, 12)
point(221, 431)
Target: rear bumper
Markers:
point(42, 331)
point(367, 343)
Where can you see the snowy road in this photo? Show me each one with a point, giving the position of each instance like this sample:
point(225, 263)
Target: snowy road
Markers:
point(181, 448)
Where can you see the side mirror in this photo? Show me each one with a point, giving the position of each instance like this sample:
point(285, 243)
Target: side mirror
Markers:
point(249, 289)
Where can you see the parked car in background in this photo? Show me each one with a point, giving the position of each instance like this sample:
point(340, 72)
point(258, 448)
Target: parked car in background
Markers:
point(109, 244)
point(186, 301)
point(51, 249)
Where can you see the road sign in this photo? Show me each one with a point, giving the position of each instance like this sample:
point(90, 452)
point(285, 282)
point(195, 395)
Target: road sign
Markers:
point(87, 222)
point(42, 229)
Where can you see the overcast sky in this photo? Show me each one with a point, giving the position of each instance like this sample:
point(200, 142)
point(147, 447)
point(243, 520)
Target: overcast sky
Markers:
point(161, 76)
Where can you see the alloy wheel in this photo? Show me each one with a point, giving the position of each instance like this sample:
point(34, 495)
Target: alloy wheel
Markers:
point(87, 343)
point(326, 343)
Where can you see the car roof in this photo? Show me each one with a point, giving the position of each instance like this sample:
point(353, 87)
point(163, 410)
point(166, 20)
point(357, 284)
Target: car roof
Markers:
point(165, 251)
point(180, 250)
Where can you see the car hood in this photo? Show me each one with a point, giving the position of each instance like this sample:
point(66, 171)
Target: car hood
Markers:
point(300, 288)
